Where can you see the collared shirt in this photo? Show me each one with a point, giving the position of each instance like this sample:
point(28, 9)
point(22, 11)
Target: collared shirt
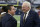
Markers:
point(27, 14)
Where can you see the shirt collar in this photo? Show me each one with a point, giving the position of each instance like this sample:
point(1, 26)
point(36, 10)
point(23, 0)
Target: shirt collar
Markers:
point(27, 11)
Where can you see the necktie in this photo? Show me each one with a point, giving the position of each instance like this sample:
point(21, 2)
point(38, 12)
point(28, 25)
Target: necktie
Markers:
point(24, 18)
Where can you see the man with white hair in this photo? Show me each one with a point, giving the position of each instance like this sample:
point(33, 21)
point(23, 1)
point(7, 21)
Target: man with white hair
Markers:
point(29, 18)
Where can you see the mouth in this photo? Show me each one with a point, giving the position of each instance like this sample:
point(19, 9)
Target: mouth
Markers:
point(23, 10)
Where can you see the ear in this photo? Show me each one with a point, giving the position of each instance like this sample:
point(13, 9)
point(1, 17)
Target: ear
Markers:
point(8, 10)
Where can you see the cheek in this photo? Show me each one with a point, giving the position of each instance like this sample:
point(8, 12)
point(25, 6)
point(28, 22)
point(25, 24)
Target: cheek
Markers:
point(13, 12)
point(27, 8)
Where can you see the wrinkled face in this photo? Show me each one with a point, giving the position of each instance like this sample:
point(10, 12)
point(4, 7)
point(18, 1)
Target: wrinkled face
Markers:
point(25, 7)
point(12, 11)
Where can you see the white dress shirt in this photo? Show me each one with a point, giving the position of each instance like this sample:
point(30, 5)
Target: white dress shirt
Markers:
point(26, 14)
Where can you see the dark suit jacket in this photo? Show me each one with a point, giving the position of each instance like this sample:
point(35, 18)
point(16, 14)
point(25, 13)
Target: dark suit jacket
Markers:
point(9, 21)
point(31, 21)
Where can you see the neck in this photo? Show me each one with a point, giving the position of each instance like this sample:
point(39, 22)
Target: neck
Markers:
point(10, 14)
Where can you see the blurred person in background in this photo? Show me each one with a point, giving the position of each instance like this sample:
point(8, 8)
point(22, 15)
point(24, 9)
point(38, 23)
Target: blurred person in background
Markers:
point(3, 10)
point(8, 20)
point(29, 18)
point(38, 10)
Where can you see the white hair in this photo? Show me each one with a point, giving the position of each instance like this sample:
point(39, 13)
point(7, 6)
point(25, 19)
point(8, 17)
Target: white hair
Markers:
point(28, 4)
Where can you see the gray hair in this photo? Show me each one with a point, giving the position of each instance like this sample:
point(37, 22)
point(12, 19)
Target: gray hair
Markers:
point(28, 4)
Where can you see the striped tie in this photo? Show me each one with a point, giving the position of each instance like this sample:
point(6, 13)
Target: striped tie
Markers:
point(24, 18)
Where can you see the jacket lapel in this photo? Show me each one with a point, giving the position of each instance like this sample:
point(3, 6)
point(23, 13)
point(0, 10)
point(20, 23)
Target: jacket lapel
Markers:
point(29, 16)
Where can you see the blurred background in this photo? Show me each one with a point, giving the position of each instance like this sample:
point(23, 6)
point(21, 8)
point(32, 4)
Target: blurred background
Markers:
point(35, 4)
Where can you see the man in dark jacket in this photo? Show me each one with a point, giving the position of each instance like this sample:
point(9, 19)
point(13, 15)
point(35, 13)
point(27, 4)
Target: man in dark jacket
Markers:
point(29, 18)
point(8, 20)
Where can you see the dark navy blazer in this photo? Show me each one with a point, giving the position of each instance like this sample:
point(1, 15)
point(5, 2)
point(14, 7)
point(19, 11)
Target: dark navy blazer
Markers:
point(9, 21)
point(31, 21)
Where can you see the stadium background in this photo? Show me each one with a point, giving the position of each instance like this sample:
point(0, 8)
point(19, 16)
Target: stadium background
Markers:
point(18, 4)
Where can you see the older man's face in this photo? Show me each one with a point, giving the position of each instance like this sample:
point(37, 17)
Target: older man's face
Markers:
point(25, 7)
